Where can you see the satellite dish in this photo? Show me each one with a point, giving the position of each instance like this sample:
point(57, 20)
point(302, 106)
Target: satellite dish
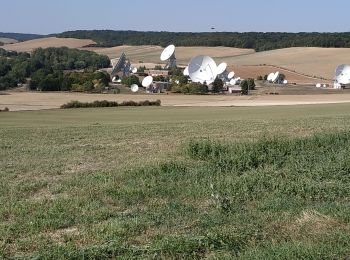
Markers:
point(168, 55)
point(186, 73)
point(285, 82)
point(119, 65)
point(275, 76)
point(221, 68)
point(134, 70)
point(270, 76)
point(222, 73)
point(324, 85)
point(233, 82)
point(342, 74)
point(231, 75)
point(147, 81)
point(134, 88)
point(114, 79)
point(202, 69)
point(318, 85)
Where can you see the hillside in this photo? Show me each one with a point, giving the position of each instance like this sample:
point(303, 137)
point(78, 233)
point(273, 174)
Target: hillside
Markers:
point(151, 54)
point(310, 61)
point(29, 46)
point(21, 36)
point(7, 40)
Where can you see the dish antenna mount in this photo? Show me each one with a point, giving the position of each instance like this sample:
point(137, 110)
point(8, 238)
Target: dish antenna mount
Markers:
point(123, 65)
point(168, 55)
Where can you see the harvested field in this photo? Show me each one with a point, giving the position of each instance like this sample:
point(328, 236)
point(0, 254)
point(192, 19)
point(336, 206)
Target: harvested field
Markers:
point(255, 71)
point(17, 101)
point(8, 40)
point(29, 46)
point(150, 54)
point(320, 62)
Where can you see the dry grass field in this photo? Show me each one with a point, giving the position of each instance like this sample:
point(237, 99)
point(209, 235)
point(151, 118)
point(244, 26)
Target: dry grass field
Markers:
point(253, 71)
point(150, 54)
point(8, 40)
point(320, 62)
point(17, 101)
point(29, 46)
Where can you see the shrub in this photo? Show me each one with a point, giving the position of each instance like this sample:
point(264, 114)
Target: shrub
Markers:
point(131, 80)
point(105, 103)
point(6, 109)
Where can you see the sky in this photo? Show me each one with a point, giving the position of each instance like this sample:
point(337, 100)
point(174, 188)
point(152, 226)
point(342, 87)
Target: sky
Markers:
point(55, 16)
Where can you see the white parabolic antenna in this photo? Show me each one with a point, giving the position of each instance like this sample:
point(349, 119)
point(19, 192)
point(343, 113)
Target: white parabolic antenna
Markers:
point(134, 70)
point(318, 85)
point(233, 82)
point(202, 69)
point(275, 76)
point(134, 88)
point(342, 74)
point(186, 71)
point(221, 68)
point(167, 52)
point(231, 75)
point(285, 82)
point(168, 55)
point(270, 76)
point(147, 81)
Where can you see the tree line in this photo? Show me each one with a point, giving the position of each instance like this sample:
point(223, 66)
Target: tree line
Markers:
point(251, 40)
point(48, 67)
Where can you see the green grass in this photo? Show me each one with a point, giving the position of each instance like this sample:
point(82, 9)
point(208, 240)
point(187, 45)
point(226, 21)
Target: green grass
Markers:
point(162, 182)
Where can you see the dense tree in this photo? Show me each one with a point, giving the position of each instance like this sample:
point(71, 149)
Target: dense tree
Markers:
point(46, 67)
point(247, 85)
point(244, 86)
point(130, 80)
point(218, 86)
point(252, 40)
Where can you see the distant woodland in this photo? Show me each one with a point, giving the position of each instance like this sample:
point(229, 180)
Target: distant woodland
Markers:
point(251, 40)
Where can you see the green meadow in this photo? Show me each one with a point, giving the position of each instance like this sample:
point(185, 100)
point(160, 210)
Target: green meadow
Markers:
point(167, 182)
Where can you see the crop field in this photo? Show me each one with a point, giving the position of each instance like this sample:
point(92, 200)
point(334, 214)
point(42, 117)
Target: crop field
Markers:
point(29, 46)
point(320, 62)
point(176, 182)
point(291, 95)
point(151, 54)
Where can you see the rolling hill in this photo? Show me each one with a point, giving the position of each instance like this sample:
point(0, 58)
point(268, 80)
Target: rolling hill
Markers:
point(29, 46)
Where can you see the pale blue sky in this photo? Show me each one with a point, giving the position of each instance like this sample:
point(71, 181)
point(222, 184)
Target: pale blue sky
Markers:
point(53, 16)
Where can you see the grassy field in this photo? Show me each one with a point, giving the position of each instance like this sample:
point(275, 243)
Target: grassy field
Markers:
point(167, 182)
